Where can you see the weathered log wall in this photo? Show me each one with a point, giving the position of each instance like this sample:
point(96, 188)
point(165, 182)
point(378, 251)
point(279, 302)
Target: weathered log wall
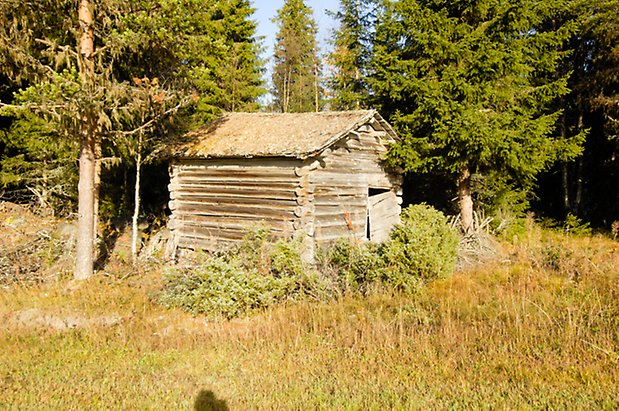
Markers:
point(215, 201)
point(341, 188)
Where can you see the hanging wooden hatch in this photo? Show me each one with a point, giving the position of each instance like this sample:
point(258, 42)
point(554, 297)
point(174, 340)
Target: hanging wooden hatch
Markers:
point(383, 213)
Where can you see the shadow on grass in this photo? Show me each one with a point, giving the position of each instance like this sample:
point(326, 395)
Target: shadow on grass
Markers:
point(207, 401)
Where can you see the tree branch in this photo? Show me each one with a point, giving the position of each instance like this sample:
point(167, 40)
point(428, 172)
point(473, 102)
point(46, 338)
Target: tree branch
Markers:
point(53, 45)
point(152, 121)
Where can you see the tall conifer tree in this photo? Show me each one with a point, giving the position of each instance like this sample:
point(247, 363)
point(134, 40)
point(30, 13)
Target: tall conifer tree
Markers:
point(231, 79)
point(297, 71)
point(468, 85)
point(352, 43)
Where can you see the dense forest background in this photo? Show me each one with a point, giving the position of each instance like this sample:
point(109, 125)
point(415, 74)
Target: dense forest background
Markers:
point(502, 106)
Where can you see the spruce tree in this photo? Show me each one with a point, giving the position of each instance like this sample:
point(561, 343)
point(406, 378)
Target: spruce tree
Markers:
point(80, 68)
point(352, 43)
point(297, 70)
point(468, 86)
point(230, 76)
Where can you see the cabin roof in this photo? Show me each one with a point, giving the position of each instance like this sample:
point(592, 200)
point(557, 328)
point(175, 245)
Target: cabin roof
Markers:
point(296, 135)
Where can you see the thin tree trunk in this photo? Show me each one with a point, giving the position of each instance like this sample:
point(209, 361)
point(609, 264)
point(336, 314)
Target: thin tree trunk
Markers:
point(565, 181)
point(465, 199)
point(316, 84)
point(84, 264)
point(579, 183)
point(565, 187)
point(136, 208)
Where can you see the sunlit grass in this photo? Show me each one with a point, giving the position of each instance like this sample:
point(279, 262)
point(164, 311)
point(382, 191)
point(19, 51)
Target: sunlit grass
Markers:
point(537, 328)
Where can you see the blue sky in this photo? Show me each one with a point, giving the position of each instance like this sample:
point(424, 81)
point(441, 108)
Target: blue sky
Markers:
point(267, 9)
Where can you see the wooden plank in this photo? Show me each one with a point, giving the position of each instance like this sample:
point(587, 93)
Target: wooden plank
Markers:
point(234, 210)
point(218, 235)
point(344, 203)
point(263, 181)
point(323, 233)
point(265, 193)
point(382, 211)
point(208, 226)
point(360, 216)
point(230, 221)
point(237, 185)
point(232, 200)
point(241, 175)
point(342, 222)
point(189, 164)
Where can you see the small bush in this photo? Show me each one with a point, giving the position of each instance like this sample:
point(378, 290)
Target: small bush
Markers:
point(421, 246)
point(356, 266)
point(255, 275)
point(221, 287)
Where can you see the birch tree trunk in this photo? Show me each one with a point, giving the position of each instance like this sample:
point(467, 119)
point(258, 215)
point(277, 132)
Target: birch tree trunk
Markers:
point(84, 264)
point(136, 207)
point(465, 199)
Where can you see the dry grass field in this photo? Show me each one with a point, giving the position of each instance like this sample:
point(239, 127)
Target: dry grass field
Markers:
point(536, 328)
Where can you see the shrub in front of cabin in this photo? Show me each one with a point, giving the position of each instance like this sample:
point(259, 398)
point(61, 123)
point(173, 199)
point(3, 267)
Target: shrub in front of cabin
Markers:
point(421, 246)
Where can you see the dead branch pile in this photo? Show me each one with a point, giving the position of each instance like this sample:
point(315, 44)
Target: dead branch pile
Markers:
point(31, 245)
point(477, 245)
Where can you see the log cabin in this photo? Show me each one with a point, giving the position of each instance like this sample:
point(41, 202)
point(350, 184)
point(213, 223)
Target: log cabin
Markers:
point(317, 175)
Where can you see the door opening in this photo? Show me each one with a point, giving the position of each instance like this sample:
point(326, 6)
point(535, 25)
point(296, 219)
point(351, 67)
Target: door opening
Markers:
point(375, 196)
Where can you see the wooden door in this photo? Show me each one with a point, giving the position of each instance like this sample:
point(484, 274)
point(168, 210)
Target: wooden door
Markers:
point(383, 214)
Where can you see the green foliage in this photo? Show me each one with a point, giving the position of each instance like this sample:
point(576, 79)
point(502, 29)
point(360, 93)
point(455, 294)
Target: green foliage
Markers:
point(421, 246)
point(259, 273)
point(468, 85)
point(352, 44)
point(153, 60)
point(574, 225)
point(358, 267)
point(255, 275)
point(221, 287)
point(296, 73)
point(38, 166)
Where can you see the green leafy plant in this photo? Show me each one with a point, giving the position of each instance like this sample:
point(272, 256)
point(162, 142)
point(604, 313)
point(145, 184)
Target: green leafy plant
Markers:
point(422, 246)
point(255, 275)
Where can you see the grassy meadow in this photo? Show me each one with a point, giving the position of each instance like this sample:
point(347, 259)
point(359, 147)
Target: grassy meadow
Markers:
point(535, 328)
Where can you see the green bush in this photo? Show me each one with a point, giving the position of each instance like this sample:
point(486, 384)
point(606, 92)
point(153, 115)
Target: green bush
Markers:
point(356, 266)
point(255, 275)
point(422, 246)
point(221, 287)
point(259, 273)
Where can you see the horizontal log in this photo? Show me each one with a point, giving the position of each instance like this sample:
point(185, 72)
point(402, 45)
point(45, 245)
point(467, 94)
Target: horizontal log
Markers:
point(335, 234)
point(193, 224)
point(236, 185)
point(205, 198)
point(230, 179)
point(234, 235)
point(342, 222)
point(230, 221)
point(339, 217)
point(238, 175)
point(234, 210)
point(222, 192)
point(343, 202)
